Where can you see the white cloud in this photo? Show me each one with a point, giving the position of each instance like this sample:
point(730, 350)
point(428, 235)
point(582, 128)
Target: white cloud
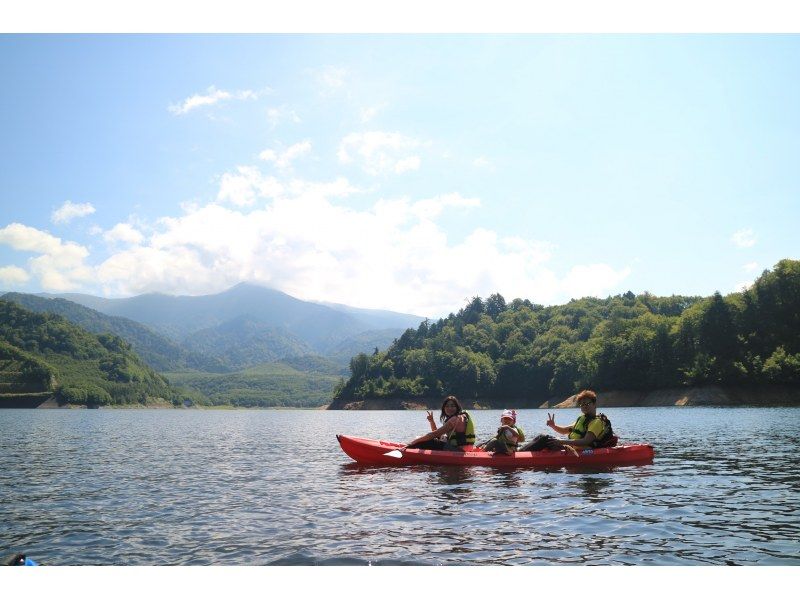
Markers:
point(245, 185)
point(750, 267)
point(123, 233)
point(429, 209)
point(212, 96)
point(283, 159)
point(593, 280)
point(277, 115)
point(13, 275)
point(743, 238)
point(25, 238)
point(60, 267)
point(407, 164)
point(70, 210)
point(380, 152)
point(391, 254)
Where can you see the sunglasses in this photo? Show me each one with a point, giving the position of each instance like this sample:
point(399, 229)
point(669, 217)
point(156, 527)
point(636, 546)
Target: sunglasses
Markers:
point(584, 404)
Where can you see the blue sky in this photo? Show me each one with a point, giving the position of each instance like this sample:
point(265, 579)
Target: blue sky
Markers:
point(405, 172)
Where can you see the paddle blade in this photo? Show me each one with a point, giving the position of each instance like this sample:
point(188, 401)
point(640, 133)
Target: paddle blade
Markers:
point(395, 453)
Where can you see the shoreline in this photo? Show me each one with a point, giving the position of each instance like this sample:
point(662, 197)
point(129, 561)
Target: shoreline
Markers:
point(704, 396)
point(699, 396)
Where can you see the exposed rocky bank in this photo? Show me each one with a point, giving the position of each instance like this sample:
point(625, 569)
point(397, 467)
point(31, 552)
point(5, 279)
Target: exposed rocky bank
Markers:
point(703, 396)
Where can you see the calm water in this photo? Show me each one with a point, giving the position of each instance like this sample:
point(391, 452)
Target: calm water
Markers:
point(237, 487)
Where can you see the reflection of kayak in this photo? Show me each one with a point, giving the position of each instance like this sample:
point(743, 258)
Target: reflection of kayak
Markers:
point(374, 452)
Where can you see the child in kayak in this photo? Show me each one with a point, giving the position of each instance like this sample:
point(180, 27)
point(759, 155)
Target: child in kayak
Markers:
point(509, 434)
point(457, 429)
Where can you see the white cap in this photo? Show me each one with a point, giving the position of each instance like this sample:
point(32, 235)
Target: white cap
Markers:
point(509, 413)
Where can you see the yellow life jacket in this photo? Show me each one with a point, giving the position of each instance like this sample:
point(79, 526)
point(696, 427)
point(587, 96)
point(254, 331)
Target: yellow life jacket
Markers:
point(462, 438)
point(508, 444)
point(582, 426)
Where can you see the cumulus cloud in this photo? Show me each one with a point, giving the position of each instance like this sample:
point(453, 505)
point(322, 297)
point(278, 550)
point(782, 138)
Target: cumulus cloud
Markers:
point(241, 188)
point(123, 233)
point(69, 211)
point(60, 265)
point(391, 253)
point(744, 238)
point(406, 164)
point(380, 152)
point(283, 159)
point(211, 96)
point(592, 280)
point(13, 275)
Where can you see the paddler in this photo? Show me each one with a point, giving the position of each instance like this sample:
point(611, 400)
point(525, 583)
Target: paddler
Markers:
point(457, 429)
point(590, 430)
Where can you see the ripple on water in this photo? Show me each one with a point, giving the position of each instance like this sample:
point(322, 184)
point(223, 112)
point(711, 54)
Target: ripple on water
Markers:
point(199, 488)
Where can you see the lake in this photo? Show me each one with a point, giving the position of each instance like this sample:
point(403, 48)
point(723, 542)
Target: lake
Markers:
point(193, 487)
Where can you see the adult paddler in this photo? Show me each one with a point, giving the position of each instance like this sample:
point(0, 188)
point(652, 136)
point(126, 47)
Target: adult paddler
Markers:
point(457, 429)
point(588, 431)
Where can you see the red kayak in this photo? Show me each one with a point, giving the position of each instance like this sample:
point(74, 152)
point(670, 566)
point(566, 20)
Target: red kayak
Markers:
point(382, 452)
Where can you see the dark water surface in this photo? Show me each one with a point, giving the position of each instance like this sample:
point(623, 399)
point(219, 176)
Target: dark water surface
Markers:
point(272, 487)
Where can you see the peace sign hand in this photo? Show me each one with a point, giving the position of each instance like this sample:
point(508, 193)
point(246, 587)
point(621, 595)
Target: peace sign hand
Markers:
point(551, 420)
point(430, 416)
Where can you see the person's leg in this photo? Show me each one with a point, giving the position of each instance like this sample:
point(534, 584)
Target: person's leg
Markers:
point(502, 449)
point(432, 445)
point(541, 442)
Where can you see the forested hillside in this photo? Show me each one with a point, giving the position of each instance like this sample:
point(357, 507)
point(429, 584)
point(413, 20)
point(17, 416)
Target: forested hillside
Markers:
point(493, 352)
point(157, 351)
point(44, 353)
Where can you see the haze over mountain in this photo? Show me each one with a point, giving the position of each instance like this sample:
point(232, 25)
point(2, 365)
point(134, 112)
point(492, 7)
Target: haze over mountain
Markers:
point(158, 352)
point(249, 345)
point(322, 327)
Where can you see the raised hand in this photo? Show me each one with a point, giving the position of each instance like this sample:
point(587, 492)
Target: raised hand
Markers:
point(430, 417)
point(551, 420)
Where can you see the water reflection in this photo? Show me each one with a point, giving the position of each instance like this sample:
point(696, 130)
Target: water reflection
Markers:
point(594, 487)
point(453, 476)
point(510, 479)
point(358, 469)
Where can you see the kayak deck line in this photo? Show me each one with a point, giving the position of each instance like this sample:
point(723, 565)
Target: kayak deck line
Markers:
point(367, 451)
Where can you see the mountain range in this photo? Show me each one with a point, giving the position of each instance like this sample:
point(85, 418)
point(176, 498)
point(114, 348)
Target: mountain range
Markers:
point(244, 327)
point(321, 326)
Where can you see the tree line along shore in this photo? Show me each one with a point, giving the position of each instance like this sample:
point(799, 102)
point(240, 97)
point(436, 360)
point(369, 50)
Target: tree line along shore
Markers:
point(635, 350)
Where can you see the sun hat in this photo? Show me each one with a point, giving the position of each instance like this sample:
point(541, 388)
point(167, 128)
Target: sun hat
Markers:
point(510, 413)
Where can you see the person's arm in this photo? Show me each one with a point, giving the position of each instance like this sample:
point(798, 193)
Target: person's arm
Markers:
point(431, 422)
point(551, 423)
point(511, 434)
point(580, 442)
